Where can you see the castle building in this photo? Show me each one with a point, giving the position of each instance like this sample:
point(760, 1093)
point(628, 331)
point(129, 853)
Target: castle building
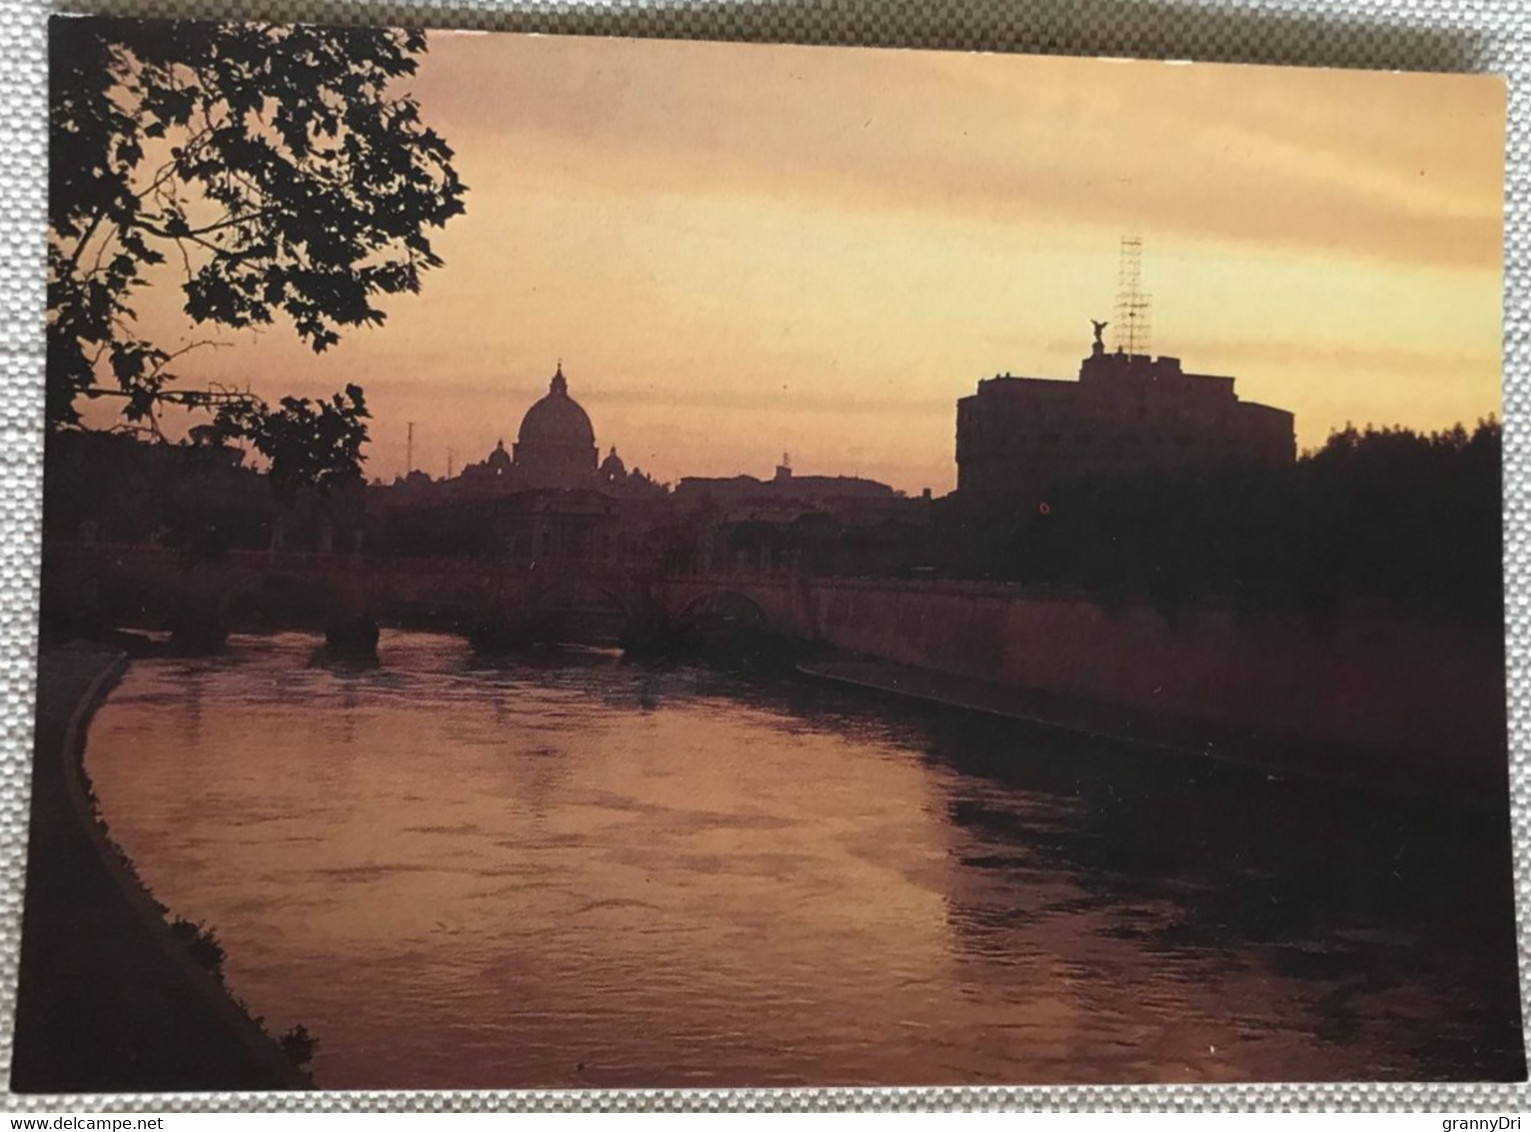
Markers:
point(1018, 435)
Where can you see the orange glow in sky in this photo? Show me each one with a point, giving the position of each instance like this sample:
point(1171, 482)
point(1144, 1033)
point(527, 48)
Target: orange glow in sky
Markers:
point(742, 250)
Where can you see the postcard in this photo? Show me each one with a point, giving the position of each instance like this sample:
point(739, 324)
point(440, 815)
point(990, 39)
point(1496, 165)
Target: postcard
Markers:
point(590, 563)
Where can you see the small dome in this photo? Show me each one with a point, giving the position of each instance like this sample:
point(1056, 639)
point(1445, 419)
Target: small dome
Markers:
point(499, 458)
point(557, 419)
point(612, 468)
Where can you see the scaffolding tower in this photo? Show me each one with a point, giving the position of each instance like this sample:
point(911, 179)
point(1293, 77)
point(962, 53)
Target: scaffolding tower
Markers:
point(1132, 321)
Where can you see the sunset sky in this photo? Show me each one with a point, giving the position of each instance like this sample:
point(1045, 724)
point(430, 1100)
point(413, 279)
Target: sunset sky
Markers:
point(739, 251)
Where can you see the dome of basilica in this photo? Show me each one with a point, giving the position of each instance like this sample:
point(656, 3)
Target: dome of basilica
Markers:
point(556, 445)
point(556, 420)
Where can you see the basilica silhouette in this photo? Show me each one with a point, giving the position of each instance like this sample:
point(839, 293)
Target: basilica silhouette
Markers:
point(554, 450)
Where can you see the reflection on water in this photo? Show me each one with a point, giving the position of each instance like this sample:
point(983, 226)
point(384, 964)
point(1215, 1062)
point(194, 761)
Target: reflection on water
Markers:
point(572, 871)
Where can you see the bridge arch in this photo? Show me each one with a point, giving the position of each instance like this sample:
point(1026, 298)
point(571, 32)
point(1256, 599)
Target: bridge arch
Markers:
point(279, 598)
point(582, 610)
point(724, 610)
point(448, 598)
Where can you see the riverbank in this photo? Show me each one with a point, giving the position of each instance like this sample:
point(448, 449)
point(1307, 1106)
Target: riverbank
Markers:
point(1464, 782)
point(108, 1000)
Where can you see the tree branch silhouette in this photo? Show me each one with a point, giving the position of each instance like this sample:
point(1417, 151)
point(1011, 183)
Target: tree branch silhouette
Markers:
point(289, 178)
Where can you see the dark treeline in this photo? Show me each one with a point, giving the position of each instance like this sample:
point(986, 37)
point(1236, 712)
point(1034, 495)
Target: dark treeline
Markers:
point(1380, 515)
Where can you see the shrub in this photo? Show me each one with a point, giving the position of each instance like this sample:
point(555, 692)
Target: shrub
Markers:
point(201, 943)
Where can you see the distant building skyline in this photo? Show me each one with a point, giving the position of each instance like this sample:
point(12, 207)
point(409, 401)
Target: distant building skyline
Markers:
point(746, 249)
point(555, 449)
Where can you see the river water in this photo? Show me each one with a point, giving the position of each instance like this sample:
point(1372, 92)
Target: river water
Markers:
point(573, 871)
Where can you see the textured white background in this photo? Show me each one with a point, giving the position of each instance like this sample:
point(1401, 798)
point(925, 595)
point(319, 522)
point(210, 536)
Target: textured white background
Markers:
point(1445, 35)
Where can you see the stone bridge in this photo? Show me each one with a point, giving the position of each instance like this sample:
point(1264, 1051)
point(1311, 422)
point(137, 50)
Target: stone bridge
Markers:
point(1365, 680)
point(151, 586)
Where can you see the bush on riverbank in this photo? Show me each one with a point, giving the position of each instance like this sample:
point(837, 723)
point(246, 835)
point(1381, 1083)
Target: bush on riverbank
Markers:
point(201, 943)
point(299, 1045)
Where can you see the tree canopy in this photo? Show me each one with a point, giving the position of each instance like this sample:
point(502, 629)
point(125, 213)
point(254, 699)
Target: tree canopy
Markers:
point(1382, 514)
point(275, 169)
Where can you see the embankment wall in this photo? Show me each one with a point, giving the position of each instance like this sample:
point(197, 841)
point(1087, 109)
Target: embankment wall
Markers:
point(1430, 689)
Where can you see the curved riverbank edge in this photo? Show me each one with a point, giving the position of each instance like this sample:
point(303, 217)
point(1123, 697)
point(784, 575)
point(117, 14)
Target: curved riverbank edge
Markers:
point(108, 1000)
point(1280, 755)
